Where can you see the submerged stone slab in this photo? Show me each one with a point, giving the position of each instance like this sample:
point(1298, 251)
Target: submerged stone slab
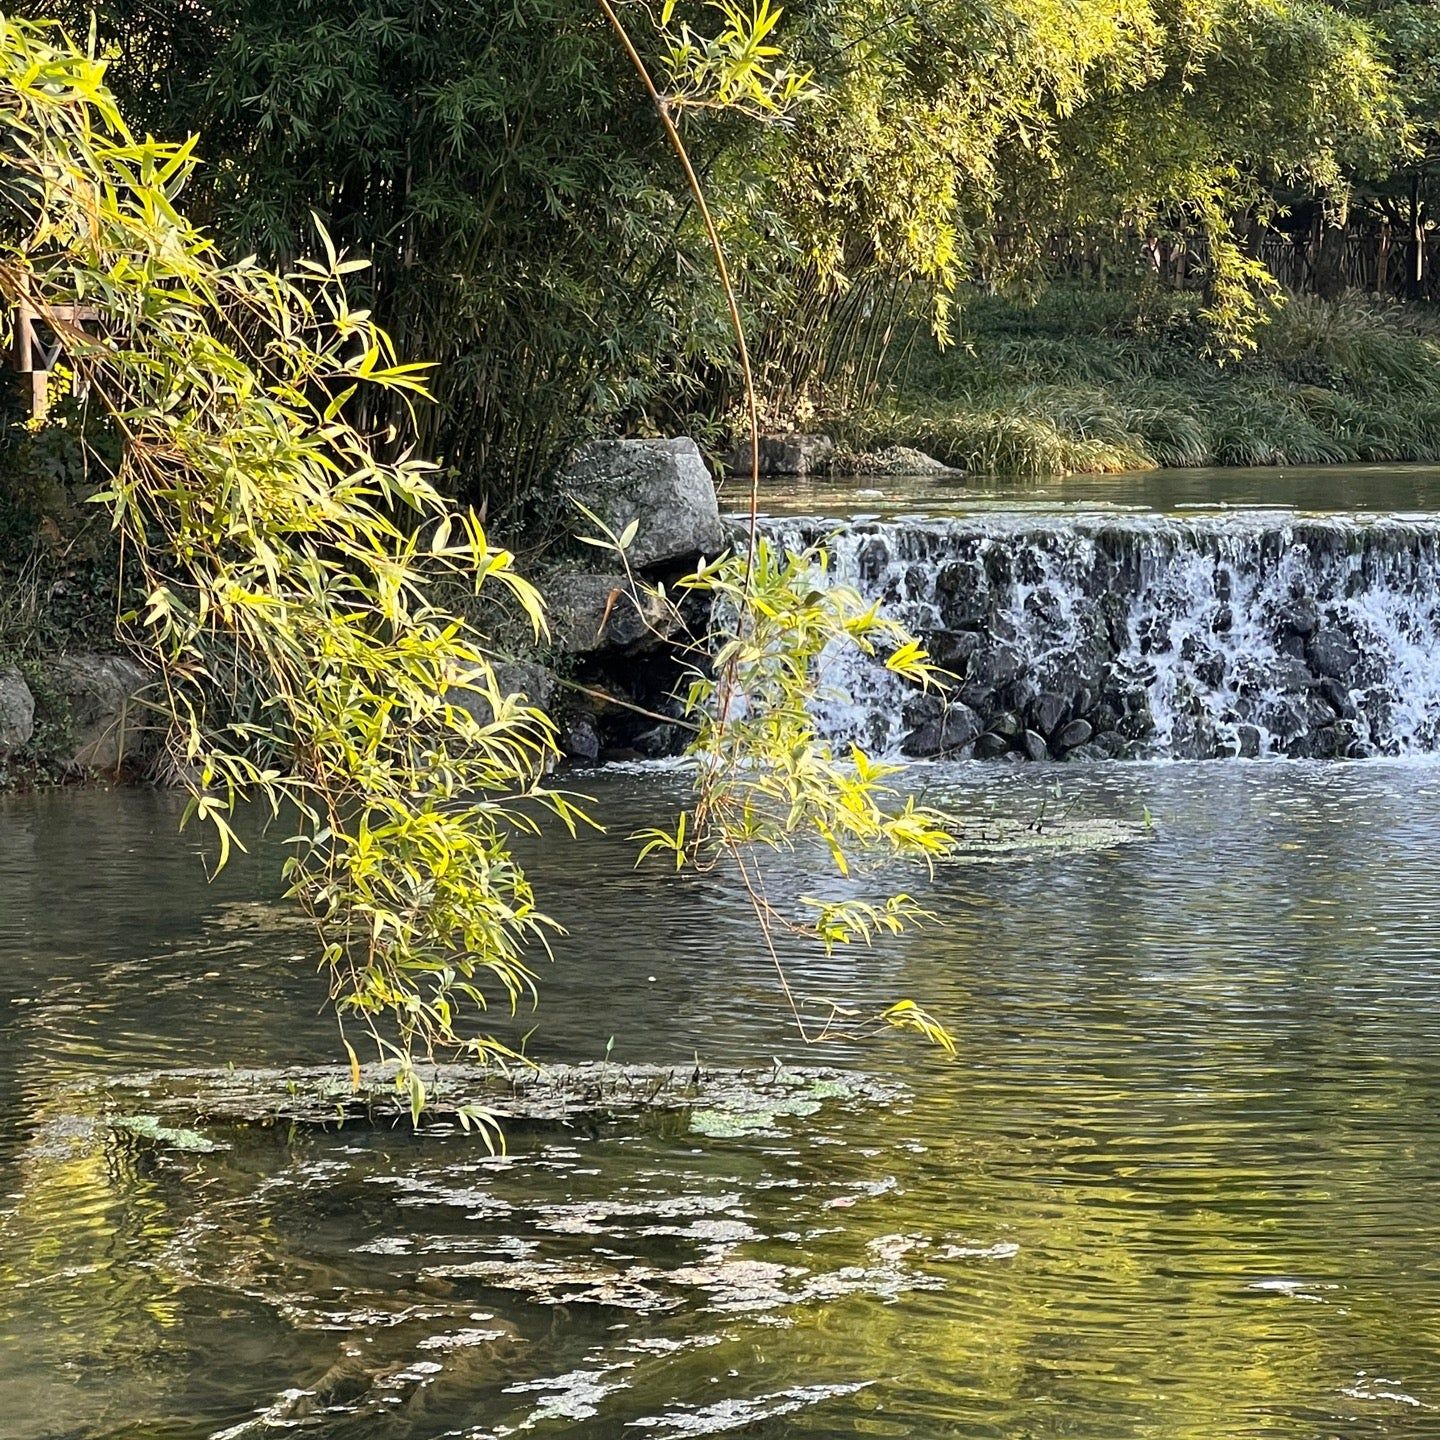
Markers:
point(329, 1095)
point(999, 840)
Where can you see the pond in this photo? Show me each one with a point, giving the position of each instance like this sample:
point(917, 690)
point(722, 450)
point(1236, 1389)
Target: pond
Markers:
point(1180, 1181)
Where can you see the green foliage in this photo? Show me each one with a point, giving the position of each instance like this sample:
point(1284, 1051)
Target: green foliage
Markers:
point(736, 69)
point(276, 553)
point(1098, 383)
point(527, 226)
point(766, 781)
point(530, 231)
point(289, 577)
point(764, 774)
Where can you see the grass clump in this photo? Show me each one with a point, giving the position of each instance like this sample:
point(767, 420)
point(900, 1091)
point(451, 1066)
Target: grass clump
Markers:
point(1093, 382)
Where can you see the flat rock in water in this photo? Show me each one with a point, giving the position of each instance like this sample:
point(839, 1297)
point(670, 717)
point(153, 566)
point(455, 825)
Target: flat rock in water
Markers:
point(791, 455)
point(892, 460)
point(724, 1102)
point(980, 841)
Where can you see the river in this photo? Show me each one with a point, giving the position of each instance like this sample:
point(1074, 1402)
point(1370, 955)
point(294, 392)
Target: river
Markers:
point(1180, 1180)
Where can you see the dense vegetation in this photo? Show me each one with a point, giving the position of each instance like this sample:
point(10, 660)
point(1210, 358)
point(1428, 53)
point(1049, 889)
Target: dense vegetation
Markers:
point(531, 232)
point(1084, 380)
point(290, 590)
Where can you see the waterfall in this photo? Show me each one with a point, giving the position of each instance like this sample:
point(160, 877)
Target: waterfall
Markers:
point(1102, 636)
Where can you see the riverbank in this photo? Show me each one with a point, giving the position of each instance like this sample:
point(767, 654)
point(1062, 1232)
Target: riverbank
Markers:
point(1089, 382)
point(73, 707)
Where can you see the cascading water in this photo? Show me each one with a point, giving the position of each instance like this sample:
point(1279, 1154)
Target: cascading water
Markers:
point(1104, 636)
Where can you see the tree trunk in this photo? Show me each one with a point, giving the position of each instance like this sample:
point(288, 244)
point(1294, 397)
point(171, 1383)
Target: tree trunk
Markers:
point(1330, 228)
point(1416, 278)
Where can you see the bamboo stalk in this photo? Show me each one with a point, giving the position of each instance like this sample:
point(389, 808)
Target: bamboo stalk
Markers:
point(677, 143)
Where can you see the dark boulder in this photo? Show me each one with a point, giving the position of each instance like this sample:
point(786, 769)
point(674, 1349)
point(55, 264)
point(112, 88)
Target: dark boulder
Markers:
point(1114, 746)
point(953, 649)
point(1247, 741)
point(579, 739)
point(1077, 732)
point(1336, 696)
point(1193, 737)
point(1331, 653)
point(962, 594)
point(110, 702)
point(980, 698)
point(872, 558)
point(1103, 717)
point(996, 666)
point(591, 612)
point(1018, 695)
point(1034, 746)
point(1291, 675)
point(1300, 617)
point(659, 741)
point(924, 707)
point(1007, 724)
point(952, 731)
point(1047, 711)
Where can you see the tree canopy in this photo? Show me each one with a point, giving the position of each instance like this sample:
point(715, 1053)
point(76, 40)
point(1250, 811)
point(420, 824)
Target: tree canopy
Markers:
point(530, 232)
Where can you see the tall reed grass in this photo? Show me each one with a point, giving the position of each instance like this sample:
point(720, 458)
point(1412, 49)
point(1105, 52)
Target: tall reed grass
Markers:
point(1087, 382)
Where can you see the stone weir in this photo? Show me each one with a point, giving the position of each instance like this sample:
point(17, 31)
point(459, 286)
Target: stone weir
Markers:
point(1103, 636)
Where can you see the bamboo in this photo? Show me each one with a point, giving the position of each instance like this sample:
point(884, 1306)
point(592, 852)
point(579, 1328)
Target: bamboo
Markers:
point(752, 405)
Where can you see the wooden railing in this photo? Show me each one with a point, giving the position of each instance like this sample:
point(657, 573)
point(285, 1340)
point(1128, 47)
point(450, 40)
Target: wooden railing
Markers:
point(39, 342)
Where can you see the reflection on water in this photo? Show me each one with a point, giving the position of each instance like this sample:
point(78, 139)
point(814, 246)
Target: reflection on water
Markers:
point(1320, 489)
point(1181, 1181)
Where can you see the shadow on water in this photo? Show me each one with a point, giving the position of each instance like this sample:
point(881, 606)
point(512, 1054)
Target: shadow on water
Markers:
point(1180, 1182)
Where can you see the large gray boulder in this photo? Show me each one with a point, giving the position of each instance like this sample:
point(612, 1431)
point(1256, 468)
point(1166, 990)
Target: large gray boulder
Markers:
point(17, 709)
point(591, 612)
point(788, 455)
point(663, 487)
point(110, 720)
point(528, 679)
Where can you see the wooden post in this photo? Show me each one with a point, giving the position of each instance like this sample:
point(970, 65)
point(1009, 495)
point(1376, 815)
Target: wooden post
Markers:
point(31, 356)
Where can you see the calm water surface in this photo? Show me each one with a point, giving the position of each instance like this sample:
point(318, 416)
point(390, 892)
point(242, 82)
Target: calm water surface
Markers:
point(1310, 490)
point(1183, 1179)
